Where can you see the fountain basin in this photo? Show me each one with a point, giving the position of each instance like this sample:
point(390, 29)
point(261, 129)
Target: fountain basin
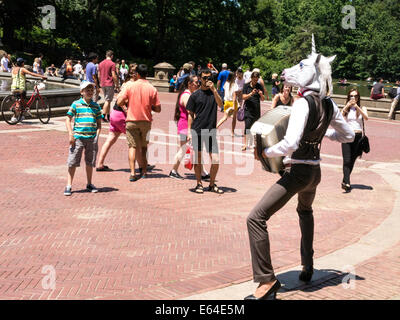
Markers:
point(60, 93)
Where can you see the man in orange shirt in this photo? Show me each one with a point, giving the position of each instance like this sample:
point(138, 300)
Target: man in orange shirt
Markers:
point(141, 98)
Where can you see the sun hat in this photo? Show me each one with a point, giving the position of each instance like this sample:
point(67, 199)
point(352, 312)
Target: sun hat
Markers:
point(187, 66)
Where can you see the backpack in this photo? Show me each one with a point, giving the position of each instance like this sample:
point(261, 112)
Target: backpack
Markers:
point(393, 93)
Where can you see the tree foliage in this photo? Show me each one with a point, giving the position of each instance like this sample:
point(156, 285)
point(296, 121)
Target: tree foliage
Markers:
point(268, 34)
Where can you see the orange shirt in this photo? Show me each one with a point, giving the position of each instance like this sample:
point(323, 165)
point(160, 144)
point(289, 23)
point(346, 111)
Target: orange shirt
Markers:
point(141, 96)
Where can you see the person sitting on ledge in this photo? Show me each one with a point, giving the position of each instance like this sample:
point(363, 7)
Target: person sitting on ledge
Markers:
point(378, 90)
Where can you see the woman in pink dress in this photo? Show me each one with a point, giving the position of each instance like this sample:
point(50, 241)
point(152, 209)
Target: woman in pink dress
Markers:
point(188, 86)
point(117, 123)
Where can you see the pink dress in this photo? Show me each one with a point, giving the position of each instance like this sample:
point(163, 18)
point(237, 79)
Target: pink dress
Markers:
point(183, 119)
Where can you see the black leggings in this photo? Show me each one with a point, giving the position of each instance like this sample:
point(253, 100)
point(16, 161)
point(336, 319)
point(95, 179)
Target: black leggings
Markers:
point(350, 152)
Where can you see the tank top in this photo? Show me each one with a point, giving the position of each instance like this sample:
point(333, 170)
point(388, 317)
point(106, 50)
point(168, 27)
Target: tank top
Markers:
point(280, 103)
point(18, 81)
point(183, 118)
point(354, 122)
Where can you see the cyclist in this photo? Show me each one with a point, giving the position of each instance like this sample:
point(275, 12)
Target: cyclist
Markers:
point(18, 85)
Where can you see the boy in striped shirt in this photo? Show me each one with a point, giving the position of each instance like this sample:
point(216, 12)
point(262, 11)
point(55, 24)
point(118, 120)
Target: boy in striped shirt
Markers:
point(84, 135)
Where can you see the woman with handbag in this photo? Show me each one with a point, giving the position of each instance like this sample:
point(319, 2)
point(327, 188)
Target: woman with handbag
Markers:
point(354, 116)
point(188, 86)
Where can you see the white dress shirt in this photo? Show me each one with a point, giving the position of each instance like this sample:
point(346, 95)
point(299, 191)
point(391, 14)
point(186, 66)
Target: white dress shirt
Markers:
point(340, 132)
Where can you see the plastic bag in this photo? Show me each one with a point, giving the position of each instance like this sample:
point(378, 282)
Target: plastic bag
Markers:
point(188, 159)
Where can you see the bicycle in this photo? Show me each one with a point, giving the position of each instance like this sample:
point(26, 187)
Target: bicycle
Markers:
point(15, 105)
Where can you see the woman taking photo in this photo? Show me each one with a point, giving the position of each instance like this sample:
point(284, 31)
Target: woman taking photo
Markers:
point(188, 86)
point(283, 98)
point(253, 93)
point(354, 115)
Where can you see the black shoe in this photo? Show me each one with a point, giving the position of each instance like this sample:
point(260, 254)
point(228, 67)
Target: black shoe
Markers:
point(150, 167)
point(104, 168)
point(306, 274)
point(91, 188)
point(175, 176)
point(133, 178)
point(206, 177)
point(346, 187)
point(104, 118)
point(269, 295)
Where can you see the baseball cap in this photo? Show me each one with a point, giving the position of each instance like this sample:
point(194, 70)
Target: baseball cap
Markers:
point(187, 66)
point(20, 61)
point(256, 70)
point(84, 84)
point(224, 65)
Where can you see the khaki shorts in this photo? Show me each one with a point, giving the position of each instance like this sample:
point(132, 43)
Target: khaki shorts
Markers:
point(108, 93)
point(138, 133)
point(90, 146)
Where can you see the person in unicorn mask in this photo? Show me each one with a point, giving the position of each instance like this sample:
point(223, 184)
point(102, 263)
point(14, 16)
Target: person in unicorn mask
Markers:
point(309, 120)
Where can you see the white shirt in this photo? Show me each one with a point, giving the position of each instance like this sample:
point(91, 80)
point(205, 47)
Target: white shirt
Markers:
point(4, 63)
point(247, 76)
point(340, 132)
point(354, 122)
point(229, 91)
point(77, 68)
point(240, 83)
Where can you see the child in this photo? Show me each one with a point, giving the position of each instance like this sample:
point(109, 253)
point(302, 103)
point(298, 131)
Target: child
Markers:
point(84, 136)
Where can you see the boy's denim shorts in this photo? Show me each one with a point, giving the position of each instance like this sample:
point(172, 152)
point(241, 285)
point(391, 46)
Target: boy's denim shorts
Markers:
point(75, 152)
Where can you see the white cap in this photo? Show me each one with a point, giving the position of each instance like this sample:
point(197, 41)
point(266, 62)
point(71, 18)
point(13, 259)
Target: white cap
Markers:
point(85, 83)
point(224, 65)
point(256, 70)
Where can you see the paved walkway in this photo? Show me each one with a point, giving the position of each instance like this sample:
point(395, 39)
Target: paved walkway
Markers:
point(156, 239)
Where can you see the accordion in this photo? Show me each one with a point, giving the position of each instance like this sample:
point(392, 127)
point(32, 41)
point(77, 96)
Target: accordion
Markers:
point(269, 130)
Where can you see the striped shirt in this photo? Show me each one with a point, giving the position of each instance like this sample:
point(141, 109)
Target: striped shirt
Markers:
point(86, 116)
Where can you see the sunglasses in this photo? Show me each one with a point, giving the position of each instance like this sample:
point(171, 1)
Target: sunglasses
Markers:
point(353, 95)
point(205, 78)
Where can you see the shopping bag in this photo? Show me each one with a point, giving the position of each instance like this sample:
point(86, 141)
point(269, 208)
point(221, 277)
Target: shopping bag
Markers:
point(188, 159)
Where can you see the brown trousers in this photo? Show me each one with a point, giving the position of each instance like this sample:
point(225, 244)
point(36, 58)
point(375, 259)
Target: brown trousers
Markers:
point(302, 179)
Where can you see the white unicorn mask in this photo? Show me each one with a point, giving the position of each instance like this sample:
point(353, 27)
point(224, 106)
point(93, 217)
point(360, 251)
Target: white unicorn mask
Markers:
point(313, 73)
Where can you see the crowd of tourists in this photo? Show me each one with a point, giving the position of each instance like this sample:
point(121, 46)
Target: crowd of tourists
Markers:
point(201, 91)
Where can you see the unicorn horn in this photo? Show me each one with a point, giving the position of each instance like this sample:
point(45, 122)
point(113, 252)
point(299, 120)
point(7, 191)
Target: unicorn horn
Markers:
point(313, 51)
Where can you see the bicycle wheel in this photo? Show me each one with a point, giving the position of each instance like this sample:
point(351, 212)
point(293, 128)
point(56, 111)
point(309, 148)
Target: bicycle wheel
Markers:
point(9, 110)
point(43, 109)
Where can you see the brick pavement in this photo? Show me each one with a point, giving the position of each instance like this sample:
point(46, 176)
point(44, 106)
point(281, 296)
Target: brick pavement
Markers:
point(154, 239)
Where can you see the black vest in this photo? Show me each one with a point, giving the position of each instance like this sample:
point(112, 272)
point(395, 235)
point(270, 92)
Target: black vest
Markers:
point(319, 116)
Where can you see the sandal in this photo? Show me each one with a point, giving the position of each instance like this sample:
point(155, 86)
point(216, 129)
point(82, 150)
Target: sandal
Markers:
point(133, 178)
point(199, 189)
point(244, 148)
point(104, 168)
point(215, 189)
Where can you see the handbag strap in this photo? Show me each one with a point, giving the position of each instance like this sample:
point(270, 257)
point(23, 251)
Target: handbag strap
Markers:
point(363, 126)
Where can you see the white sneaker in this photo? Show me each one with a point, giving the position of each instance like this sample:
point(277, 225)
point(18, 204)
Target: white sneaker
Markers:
point(14, 119)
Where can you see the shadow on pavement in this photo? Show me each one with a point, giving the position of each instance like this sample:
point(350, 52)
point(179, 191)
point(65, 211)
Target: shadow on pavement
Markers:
point(361, 187)
point(104, 189)
point(136, 170)
point(322, 278)
point(225, 189)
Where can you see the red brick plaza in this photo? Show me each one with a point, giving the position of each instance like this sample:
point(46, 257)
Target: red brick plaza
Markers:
point(157, 239)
